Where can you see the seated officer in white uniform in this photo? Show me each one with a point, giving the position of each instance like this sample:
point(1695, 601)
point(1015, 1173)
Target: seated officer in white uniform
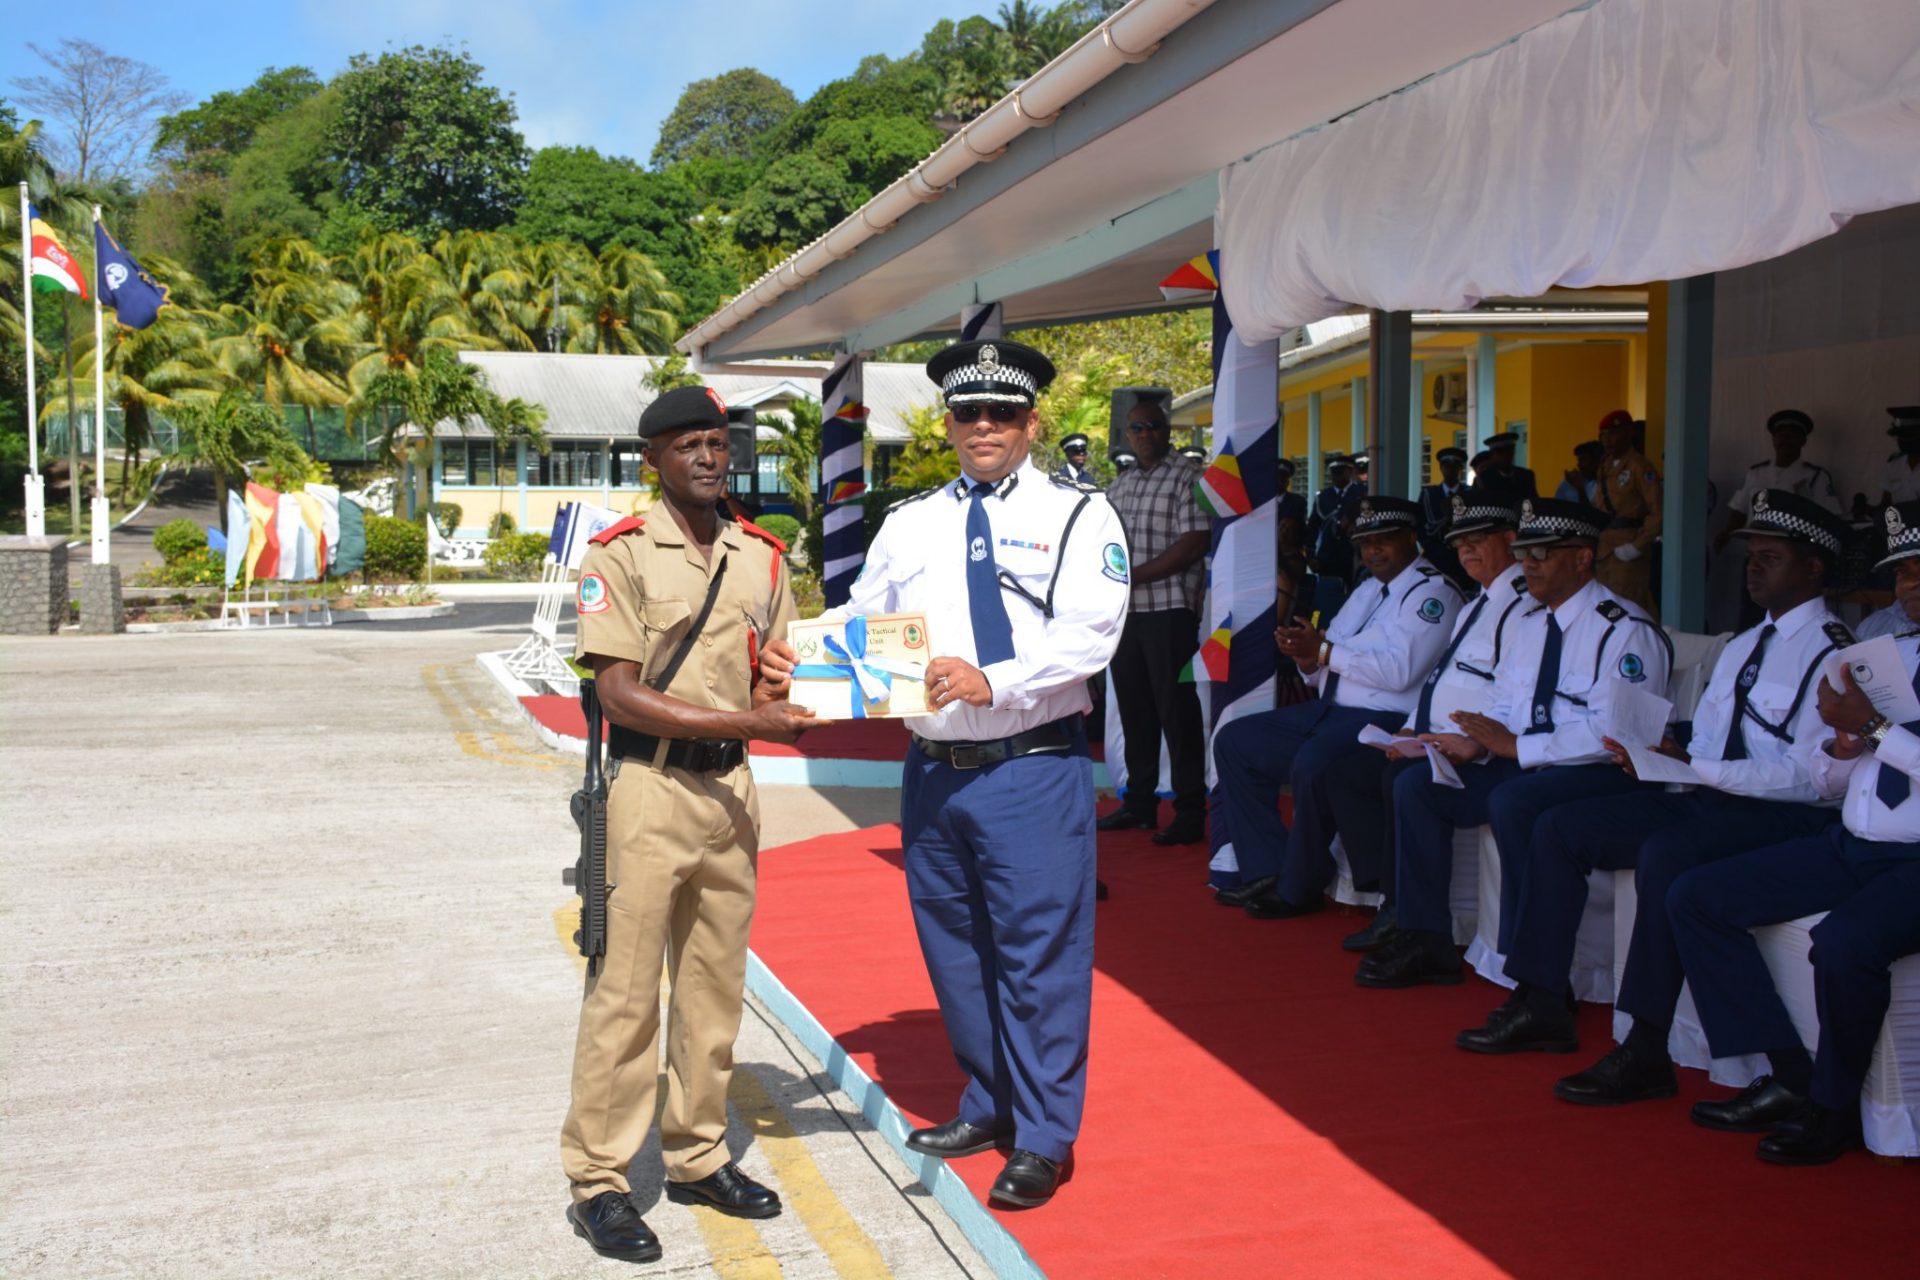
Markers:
point(1023, 580)
point(1537, 746)
point(1749, 745)
point(1865, 874)
point(1360, 791)
point(1368, 667)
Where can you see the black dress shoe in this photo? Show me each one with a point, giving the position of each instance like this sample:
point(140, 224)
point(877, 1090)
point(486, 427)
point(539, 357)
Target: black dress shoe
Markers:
point(614, 1228)
point(1414, 959)
point(1761, 1107)
point(1271, 906)
point(1375, 935)
point(1028, 1181)
point(1522, 1028)
point(954, 1138)
point(1241, 894)
point(1125, 819)
point(1099, 890)
point(1182, 831)
point(728, 1190)
point(1626, 1074)
point(1820, 1136)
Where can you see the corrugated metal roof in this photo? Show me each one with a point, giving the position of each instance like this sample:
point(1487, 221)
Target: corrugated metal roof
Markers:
point(592, 397)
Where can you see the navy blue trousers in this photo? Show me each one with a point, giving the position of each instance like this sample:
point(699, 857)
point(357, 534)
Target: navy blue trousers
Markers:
point(1498, 793)
point(1360, 791)
point(1660, 835)
point(1871, 893)
point(1255, 756)
point(1000, 864)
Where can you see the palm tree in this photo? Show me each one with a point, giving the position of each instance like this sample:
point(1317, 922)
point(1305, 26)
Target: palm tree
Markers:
point(497, 281)
point(231, 431)
point(616, 304)
point(445, 389)
point(277, 343)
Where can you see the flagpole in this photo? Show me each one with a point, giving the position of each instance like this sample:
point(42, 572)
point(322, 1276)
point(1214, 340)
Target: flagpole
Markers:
point(36, 489)
point(101, 517)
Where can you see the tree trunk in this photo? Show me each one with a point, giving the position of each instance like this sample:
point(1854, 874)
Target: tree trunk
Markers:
point(313, 440)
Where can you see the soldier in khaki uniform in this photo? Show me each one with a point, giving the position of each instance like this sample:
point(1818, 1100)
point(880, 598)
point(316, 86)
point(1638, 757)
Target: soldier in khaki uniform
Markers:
point(1630, 495)
point(682, 826)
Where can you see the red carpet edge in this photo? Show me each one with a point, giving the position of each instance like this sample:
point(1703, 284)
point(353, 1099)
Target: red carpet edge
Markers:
point(1007, 1257)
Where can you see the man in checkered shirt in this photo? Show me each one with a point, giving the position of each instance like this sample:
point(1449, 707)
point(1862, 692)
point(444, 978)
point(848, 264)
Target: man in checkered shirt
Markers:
point(1167, 539)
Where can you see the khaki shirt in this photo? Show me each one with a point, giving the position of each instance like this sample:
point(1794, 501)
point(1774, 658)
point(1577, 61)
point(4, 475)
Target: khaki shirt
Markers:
point(1630, 490)
point(640, 591)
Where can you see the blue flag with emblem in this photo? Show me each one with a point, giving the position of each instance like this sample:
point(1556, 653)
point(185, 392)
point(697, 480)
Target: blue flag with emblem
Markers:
point(124, 285)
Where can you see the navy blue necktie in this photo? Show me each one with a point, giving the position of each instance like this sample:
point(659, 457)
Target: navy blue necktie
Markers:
point(1548, 680)
point(1333, 677)
point(1735, 747)
point(1423, 720)
point(992, 629)
point(1893, 786)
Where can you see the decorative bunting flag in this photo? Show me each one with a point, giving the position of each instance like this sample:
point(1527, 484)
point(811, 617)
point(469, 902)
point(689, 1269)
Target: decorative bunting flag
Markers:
point(263, 533)
point(1220, 491)
point(53, 267)
point(135, 296)
point(239, 536)
point(352, 554)
point(1196, 280)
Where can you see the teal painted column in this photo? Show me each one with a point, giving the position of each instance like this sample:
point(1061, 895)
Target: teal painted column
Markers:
point(520, 481)
point(1485, 353)
point(1357, 415)
point(1315, 468)
point(1683, 531)
point(1416, 427)
point(439, 466)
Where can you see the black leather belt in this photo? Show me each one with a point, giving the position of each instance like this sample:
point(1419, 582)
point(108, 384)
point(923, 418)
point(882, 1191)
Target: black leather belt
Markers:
point(696, 755)
point(1057, 736)
point(1622, 522)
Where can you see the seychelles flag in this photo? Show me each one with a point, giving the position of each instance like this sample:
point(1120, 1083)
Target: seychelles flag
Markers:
point(135, 296)
point(846, 491)
point(1220, 490)
point(1213, 655)
point(53, 267)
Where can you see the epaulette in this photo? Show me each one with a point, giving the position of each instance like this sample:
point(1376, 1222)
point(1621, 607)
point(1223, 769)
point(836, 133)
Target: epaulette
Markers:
point(1426, 571)
point(1519, 583)
point(915, 497)
point(1611, 610)
point(1837, 632)
point(1078, 486)
point(763, 535)
point(1529, 613)
point(618, 527)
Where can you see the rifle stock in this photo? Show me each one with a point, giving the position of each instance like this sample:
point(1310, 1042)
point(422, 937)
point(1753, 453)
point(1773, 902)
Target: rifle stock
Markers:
point(589, 805)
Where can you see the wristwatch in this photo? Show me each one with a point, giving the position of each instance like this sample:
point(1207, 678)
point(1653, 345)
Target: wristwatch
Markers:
point(1875, 730)
point(1326, 649)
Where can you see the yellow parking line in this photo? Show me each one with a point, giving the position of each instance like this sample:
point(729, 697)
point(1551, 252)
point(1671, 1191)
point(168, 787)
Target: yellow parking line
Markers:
point(851, 1251)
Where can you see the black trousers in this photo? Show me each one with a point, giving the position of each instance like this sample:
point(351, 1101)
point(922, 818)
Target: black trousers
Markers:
point(1361, 794)
point(1154, 702)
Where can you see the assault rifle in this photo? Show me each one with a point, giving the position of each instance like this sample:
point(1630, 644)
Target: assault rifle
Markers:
point(589, 874)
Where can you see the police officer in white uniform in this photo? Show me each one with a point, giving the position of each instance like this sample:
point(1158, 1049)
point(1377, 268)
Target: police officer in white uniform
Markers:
point(1023, 579)
point(1787, 469)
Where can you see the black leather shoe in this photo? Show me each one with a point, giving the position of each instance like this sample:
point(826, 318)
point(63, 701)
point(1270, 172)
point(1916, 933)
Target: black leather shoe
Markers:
point(614, 1228)
point(1182, 831)
point(1761, 1107)
point(1125, 819)
point(1625, 1075)
point(1413, 960)
point(1028, 1181)
point(954, 1138)
point(1099, 890)
point(1271, 906)
point(1241, 894)
point(728, 1190)
point(1820, 1136)
point(1522, 1028)
point(1375, 935)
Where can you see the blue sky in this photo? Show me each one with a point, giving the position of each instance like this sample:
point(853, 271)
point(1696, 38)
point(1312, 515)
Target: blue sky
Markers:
point(582, 72)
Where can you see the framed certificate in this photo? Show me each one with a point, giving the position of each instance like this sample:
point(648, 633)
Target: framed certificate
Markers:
point(861, 667)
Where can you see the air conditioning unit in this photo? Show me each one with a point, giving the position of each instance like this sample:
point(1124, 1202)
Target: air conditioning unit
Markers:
point(1450, 394)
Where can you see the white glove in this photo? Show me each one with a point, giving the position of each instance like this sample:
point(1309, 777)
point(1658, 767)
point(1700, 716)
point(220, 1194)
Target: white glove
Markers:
point(1626, 553)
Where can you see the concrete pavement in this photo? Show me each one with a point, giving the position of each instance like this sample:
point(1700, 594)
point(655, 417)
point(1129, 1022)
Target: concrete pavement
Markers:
point(284, 990)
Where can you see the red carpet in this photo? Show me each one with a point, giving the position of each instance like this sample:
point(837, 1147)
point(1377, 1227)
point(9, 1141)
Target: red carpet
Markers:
point(1251, 1112)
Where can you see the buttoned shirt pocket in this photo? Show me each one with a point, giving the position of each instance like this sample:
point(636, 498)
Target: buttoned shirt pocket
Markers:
point(1772, 700)
point(1030, 569)
point(665, 623)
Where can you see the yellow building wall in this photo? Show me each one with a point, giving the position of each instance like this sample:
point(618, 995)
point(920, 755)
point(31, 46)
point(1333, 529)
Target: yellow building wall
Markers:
point(477, 504)
point(1573, 386)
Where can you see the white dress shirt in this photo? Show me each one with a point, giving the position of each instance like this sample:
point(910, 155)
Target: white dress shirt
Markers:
point(1890, 621)
point(1858, 779)
point(1467, 681)
point(918, 564)
point(1387, 636)
point(1776, 768)
point(1595, 651)
point(1800, 476)
point(1900, 480)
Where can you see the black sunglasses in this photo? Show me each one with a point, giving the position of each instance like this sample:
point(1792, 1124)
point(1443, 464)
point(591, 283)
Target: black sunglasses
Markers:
point(1001, 413)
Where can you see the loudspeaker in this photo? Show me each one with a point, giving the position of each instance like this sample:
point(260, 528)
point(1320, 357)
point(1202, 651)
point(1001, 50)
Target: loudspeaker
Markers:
point(1124, 400)
point(742, 442)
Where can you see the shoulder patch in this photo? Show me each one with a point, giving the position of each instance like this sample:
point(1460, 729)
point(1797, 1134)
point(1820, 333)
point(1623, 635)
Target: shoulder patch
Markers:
point(1837, 632)
point(1632, 669)
point(1431, 610)
point(924, 493)
point(1611, 610)
point(614, 530)
point(1079, 486)
point(764, 536)
point(593, 597)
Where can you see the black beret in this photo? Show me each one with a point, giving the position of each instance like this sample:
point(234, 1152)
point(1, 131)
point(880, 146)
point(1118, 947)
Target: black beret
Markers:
point(1791, 418)
point(683, 409)
point(997, 371)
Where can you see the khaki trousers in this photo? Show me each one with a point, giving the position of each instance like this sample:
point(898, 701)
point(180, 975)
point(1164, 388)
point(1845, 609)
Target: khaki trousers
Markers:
point(1631, 581)
point(681, 853)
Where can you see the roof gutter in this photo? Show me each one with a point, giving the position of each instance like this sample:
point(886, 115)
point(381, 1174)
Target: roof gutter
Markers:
point(1131, 35)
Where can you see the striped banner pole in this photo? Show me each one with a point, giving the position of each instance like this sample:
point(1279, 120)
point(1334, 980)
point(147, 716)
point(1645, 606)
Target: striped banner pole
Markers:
point(843, 487)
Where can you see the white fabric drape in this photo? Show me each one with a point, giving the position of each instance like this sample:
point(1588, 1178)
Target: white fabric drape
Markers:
point(1625, 142)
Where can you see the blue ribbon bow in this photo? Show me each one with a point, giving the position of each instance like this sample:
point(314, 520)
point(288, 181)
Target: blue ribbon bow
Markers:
point(869, 684)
